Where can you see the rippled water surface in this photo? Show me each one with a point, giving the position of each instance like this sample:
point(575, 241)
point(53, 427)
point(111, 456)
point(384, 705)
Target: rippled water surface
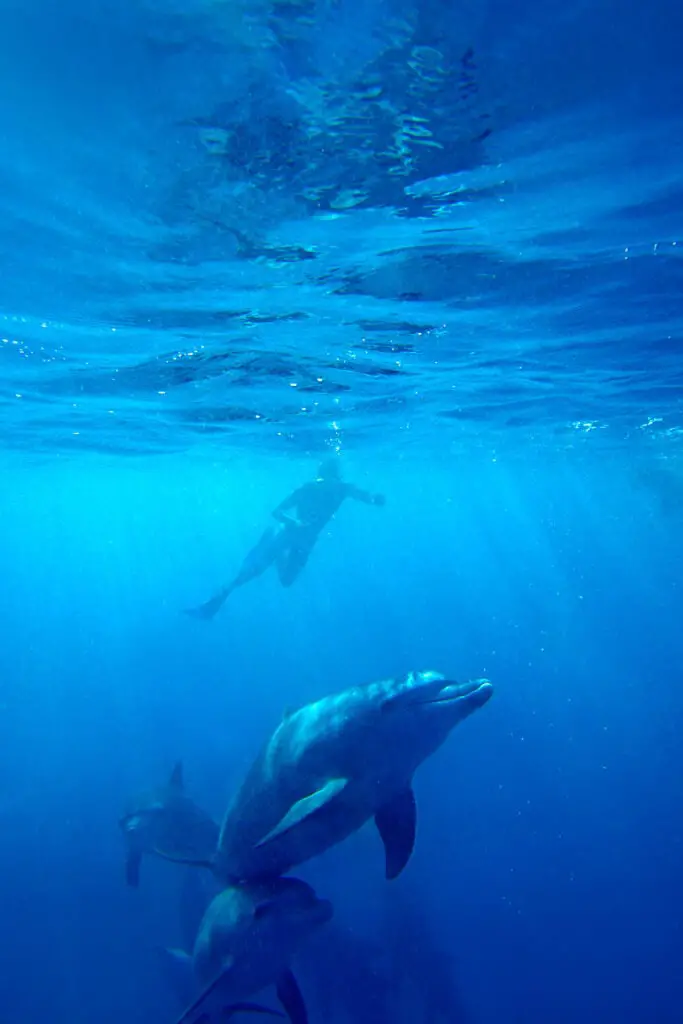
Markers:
point(289, 224)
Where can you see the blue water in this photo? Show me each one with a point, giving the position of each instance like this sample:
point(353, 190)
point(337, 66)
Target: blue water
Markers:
point(443, 242)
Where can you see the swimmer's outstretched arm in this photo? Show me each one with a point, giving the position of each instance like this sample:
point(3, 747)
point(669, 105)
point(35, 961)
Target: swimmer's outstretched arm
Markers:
point(365, 496)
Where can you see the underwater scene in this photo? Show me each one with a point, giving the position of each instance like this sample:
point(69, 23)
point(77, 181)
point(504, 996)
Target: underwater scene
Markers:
point(341, 449)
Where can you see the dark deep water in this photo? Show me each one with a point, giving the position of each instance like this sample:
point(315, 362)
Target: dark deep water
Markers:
point(443, 241)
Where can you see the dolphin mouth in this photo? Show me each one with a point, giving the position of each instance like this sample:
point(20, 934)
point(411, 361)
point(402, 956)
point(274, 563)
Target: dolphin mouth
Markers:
point(425, 688)
point(476, 691)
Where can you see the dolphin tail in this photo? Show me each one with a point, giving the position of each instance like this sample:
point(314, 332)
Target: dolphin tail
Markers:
point(206, 611)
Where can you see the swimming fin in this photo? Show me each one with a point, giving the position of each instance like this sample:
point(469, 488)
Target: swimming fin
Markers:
point(210, 608)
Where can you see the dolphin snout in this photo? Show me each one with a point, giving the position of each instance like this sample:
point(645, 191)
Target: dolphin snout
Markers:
point(476, 692)
point(481, 692)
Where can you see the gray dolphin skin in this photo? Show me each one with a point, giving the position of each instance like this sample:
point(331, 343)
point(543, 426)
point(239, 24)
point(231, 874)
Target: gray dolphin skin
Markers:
point(332, 765)
point(245, 943)
point(166, 822)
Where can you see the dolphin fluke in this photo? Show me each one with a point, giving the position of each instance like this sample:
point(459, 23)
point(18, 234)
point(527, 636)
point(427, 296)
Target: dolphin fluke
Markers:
point(289, 994)
point(396, 822)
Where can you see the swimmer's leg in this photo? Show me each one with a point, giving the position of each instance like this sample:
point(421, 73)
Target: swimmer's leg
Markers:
point(260, 558)
point(292, 560)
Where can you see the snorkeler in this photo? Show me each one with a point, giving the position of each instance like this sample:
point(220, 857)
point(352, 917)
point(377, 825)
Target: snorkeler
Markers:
point(300, 519)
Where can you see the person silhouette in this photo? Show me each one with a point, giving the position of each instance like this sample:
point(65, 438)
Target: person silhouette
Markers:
point(287, 545)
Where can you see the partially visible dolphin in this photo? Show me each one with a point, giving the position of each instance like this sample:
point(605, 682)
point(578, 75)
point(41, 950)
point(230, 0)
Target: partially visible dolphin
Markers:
point(166, 822)
point(245, 943)
point(334, 764)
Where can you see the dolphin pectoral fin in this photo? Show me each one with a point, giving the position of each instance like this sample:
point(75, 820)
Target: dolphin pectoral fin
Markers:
point(196, 1012)
point(177, 965)
point(133, 861)
point(289, 994)
point(178, 956)
point(230, 1011)
point(181, 961)
point(396, 823)
point(304, 808)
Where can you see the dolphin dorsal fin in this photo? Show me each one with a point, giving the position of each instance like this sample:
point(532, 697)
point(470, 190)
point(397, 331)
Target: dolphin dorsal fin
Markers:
point(176, 780)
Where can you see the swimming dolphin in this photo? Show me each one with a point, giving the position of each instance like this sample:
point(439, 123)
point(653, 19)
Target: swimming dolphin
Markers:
point(335, 763)
point(246, 940)
point(166, 822)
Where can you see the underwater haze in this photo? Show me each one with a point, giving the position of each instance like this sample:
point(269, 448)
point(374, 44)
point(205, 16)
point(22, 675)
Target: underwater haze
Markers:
point(434, 246)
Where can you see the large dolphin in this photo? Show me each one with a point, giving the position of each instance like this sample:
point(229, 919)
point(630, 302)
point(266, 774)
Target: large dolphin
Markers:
point(245, 943)
point(168, 823)
point(335, 763)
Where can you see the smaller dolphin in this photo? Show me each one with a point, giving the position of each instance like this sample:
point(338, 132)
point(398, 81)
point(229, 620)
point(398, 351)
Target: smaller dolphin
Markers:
point(166, 822)
point(246, 940)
